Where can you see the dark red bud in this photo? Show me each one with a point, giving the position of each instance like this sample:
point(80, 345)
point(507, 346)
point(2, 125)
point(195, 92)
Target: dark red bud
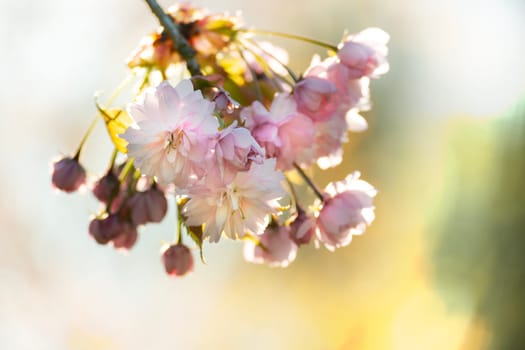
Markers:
point(127, 238)
point(68, 175)
point(104, 230)
point(147, 206)
point(107, 187)
point(177, 260)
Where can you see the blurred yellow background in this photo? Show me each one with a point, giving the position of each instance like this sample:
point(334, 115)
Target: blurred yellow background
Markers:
point(440, 268)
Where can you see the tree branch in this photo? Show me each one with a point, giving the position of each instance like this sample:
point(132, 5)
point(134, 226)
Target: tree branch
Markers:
point(179, 42)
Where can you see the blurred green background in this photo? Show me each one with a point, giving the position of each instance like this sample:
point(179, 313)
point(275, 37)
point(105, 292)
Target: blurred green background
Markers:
point(440, 268)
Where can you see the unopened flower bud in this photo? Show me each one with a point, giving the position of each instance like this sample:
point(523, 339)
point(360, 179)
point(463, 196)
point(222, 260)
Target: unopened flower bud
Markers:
point(68, 174)
point(127, 237)
point(224, 102)
point(177, 260)
point(302, 228)
point(147, 206)
point(106, 188)
point(106, 229)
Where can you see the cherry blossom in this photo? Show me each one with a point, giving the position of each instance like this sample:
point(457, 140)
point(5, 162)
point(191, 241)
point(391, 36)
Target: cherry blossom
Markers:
point(173, 129)
point(347, 210)
point(283, 131)
point(236, 208)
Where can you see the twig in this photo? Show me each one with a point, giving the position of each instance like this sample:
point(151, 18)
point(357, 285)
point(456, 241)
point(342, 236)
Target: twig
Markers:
point(179, 42)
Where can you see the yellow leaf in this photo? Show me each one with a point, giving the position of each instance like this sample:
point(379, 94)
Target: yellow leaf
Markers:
point(117, 121)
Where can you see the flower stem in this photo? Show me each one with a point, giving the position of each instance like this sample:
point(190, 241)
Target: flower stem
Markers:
point(179, 42)
point(178, 233)
point(256, 85)
point(112, 161)
point(113, 96)
point(292, 36)
point(292, 74)
point(126, 170)
point(308, 181)
point(86, 136)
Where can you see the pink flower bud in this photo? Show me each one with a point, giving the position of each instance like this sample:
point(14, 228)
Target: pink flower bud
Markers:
point(68, 174)
point(148, 206)
point(127, 237)
point(277, 249)
point(347, 211)
point(224, 102)
point(177, 260)
point(104, 230)
point(302, 228)
point(107, 187)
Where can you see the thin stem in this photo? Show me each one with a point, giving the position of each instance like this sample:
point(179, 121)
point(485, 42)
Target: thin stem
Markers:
point(256, 85)
point(126, 170)
point(112, 161)
point(145, 80)
point(308, 181)
point(113, 96)
point(294, 193)
point(178, 234)
point(86, 136)
point(119, 89)
point(285, 66)
point(275, 77)
point(179, 42)
point(292, 36)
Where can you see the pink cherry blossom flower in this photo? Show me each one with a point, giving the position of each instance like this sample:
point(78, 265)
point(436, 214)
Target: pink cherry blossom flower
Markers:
point(236, 208)
point(172, 134)
point(352, 93)
point(285, 133)
point(337, 112)
point(365, 53)
point(329, 138)
point(234, 151)
point(277, 250)
point(346, 211)
point(315, 97)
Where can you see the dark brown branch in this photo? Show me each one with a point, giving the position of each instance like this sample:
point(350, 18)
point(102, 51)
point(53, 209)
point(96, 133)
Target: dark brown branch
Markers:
point(179, 42)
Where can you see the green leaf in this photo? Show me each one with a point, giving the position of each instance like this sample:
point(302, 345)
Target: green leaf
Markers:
point(117, 121)
point(195, 233)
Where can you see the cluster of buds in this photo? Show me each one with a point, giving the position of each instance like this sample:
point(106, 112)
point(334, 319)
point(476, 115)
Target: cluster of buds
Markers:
point(223, 142)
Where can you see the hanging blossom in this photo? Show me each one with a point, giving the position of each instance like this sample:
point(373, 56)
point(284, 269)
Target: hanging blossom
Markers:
point(334, 90)
point(347, 211)
point(236, 208)
point(172, 134)
point(283, 131)
point(225, 140)
point(235, 150)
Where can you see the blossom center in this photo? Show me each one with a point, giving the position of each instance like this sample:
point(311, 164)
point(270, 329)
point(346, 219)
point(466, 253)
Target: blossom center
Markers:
point(173, 140)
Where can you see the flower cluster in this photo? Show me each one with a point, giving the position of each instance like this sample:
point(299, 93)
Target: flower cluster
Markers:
point(223, 143)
